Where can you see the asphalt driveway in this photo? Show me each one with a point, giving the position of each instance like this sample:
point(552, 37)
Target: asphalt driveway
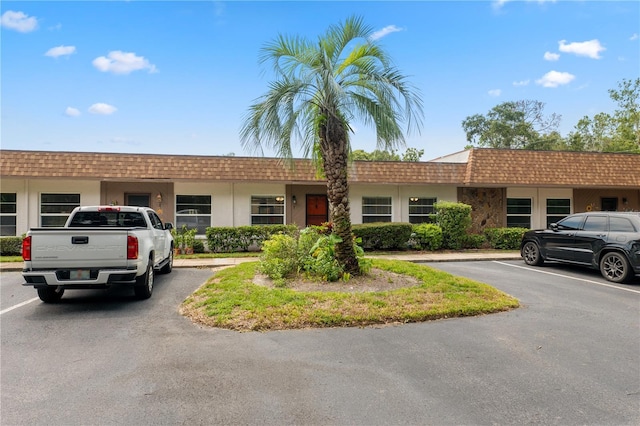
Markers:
point(570, 355)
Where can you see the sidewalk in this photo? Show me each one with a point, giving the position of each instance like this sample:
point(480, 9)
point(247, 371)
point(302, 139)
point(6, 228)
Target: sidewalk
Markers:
point(409, 257)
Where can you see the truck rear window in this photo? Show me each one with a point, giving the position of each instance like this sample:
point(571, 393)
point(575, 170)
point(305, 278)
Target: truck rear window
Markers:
point(112, 219)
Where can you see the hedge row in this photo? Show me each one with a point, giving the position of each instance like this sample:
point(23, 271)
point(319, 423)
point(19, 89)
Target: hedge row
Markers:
point(226, 239)
point(11, 246)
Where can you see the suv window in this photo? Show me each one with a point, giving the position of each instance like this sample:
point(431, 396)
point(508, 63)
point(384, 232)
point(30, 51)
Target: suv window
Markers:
point(595, 223)
point(621, 224)
point(571, 222)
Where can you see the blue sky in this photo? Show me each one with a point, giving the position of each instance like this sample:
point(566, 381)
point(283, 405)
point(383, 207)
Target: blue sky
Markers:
point(177, 77)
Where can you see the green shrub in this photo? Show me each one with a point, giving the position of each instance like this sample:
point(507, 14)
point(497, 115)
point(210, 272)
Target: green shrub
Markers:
point(455, 220)
point(383, 236)
point(225, 239)
point(505, 238)
point(198, 246)
point(279, 257)
point(473, 241)
point(11, 246)
point(322, 261)
point(428, 236)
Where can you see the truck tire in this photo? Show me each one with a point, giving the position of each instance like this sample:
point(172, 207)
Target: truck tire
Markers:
point(50, 294)
point(144, 283)
point(166, 269)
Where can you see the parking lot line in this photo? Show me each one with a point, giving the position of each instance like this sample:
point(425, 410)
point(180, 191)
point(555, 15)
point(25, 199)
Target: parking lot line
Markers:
point(11, 308)
point(568, 276)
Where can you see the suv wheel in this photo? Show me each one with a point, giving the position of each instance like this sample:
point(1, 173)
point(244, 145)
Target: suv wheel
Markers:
point(531, 254)
point(615, 267)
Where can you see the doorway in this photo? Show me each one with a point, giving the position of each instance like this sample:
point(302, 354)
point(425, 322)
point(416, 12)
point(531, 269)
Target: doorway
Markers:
point(609, 204)
point(317, 209)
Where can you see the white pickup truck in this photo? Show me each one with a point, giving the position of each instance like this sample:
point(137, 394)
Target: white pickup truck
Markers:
point(98, 246)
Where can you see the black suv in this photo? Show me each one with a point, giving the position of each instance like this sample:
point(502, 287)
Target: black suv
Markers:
point(609, 241)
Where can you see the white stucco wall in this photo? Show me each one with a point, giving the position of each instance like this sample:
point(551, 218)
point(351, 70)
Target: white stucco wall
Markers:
point(539, 197)
point(221, 199)
point(399, 198)
point(242, 199)
point(28, 196)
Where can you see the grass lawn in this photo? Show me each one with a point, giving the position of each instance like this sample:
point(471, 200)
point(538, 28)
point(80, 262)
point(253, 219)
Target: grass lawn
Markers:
point(231, 300)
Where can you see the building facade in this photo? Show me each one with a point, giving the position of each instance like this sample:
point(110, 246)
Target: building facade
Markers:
point(504, 187)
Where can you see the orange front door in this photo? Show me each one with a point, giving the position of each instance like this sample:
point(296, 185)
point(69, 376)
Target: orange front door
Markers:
point(317, 209)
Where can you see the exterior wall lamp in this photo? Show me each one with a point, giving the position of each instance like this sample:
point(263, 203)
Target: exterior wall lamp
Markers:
point(294, 200)
point(279, 198)
point(413, 199)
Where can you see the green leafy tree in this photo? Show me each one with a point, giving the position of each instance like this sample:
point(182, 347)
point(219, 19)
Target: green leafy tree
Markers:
point(511, 125)
point(617, 132)
point(320, 88)
point(412, 154)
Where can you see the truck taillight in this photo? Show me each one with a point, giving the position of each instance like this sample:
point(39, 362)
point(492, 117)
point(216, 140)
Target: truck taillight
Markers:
point(132, 247)
point(26, 248)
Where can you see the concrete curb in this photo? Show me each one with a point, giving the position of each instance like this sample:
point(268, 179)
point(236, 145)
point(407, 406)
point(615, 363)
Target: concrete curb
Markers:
point(416, 258)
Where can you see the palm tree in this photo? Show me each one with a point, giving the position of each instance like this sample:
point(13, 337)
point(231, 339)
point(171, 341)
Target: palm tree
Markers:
point(320, 88)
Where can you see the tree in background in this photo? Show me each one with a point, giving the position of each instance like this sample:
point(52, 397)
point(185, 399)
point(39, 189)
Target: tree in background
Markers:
point(511, 125)
point(619, 132)
point(412, 154)
point(320, 88)
point(522, 125)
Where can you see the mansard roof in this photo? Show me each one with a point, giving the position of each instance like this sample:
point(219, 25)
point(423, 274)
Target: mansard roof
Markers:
point(475, 167)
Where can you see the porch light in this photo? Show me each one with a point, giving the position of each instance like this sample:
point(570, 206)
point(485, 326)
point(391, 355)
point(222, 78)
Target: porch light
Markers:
point(413, 199)
point(294, 200)
point(279, 198)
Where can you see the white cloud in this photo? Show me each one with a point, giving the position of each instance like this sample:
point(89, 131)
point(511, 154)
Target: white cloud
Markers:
point(497, 4)
point(71, 112)
point(634, 37)
point(102, 109)
point(548, 56)
point(555, 79)
point(521, 83)
point(18, 21)
point(119, 62)
point(495, 93)
point(54, 52)
point(385, 31)
point(590, 49)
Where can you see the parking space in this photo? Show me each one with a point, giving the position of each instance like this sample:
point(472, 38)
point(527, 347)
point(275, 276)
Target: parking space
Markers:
point(568, 356)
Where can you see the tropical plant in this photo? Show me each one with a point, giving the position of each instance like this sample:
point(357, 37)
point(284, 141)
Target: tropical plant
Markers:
point(320, 88)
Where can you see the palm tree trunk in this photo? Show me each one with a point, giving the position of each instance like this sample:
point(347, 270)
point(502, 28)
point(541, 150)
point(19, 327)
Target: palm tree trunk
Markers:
point(334, 149)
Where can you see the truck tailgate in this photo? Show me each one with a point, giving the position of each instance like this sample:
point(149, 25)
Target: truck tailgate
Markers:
point(55, 248)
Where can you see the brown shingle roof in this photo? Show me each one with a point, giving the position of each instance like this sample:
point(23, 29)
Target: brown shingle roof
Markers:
point(485, 167)
point(108, 166)
point(501, 167)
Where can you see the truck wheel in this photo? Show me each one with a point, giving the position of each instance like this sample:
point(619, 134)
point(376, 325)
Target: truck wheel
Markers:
point(50, 294)
point(166, 269)
point(615, 267)
point(144, 283)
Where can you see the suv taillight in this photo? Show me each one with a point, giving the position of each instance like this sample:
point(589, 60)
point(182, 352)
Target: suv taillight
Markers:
point(132, 247)
point(26, 248)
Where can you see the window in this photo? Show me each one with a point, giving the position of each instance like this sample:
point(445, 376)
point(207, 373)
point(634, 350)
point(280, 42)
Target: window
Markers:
point(55, 208)
point(194, 211)
point(376, 209)
point(267, 210)
point(421, 209)
point(621, 224)
point(595, 224)
point(518, 212)
point(572, 222)
point(557, 208)
point(8, 210)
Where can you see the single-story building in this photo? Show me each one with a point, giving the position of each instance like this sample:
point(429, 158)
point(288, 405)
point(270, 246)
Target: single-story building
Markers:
point(504, 187)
